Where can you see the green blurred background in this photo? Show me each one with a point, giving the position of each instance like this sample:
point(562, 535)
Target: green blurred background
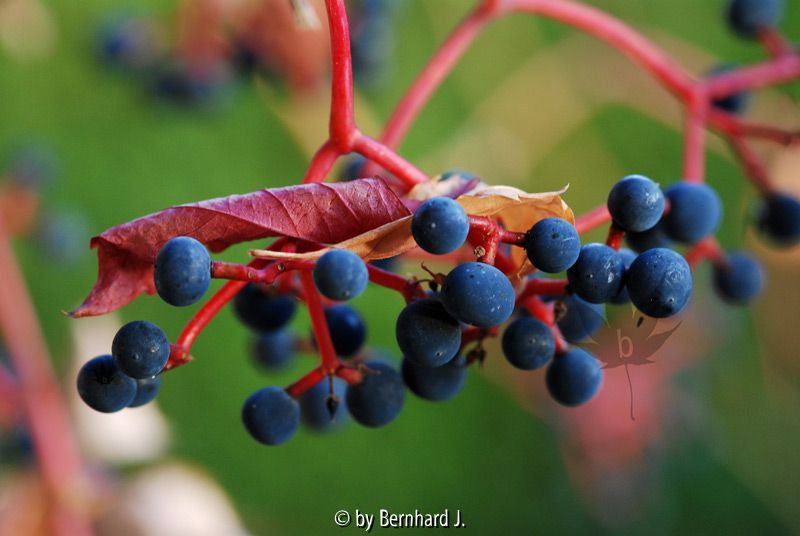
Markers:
point(548, 107)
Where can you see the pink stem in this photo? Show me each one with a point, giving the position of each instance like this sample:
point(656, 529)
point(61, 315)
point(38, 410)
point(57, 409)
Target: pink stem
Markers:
point(57, 453)
point(695, 137)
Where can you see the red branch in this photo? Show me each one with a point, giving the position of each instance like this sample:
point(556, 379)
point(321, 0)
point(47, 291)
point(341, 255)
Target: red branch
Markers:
point(57, 453)
point(707, 249)
point(330, 362)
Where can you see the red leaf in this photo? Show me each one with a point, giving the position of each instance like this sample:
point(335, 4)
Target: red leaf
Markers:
point(324, 213)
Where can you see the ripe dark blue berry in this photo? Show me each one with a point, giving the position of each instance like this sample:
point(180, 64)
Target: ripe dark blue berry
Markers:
point(528, 343)
point(739, 279)
point(659, 282)
point(479, 294)
point(427, 334)
point(273, 350)
point(627, 257)
point(574, 377)
point(736, 103)
point(314, 406)
point(597, 274)
point(103, 386)
point(435, 383)
point(271, 415)
point(347, 328)
point(553, 245)
point(747, 17)
point(146, 390)
point(340, 275)
point(581, 319)
point(636, 203)
point(378, 399)
point(653, 238)
point(140, 349)
point(779, 219)
point(182, 271)
point(258, 307)
point(440, 225)
point(695, 212)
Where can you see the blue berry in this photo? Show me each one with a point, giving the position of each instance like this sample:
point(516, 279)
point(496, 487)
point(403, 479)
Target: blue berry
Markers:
point(597, 274)
point(440, 225)
point(627, 257)
point(182, 272)
point(652, 238)
point(553, 245)
point(779, 219)
point(739, 279)
point(435, 383)
point(273, 350)
point(378, 399)
point(103, 386)
point(427, 334)
point(146, 390)
point(140, 349)
point(478, 294)
point(581, 319)
point(747, 17)
point(340, 275)
point(261, 310)
point(659, 282)
point(347, 329)
point(128, 43)
point(61, 235)
point(695, 212)
point(191, 85)
point(528, 343)
point(314, 408)
point(736, 103)
point(32, 166)
point(271, 415)
point(636, 203)
point(574, 377)
point(352, 168)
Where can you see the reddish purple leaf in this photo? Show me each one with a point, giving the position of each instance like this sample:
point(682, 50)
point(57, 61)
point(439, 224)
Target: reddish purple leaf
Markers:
point(324, 213)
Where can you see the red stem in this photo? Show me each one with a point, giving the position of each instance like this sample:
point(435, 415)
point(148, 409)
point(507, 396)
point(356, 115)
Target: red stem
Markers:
point(59, 461)
point(389, 160)
point(322, 163)
point(615, 236)
point(543, 287)
point(707, 249)
point(774, 42)
point(307, 382)
point(544, 312)
point(753, 167)
point(249, 273)
point(768, 73)
point(731, 125)
point(330, 362)
point(439, 66)
point(384, 278)
point(342, 124)
point(694, 151)
point(597, 217)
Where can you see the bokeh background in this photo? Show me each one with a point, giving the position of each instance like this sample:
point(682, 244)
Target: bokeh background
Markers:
point(536, 105)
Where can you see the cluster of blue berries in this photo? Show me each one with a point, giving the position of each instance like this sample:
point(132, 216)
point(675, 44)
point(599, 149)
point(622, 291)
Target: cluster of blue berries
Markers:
point(472, 296)
point(129, 376)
